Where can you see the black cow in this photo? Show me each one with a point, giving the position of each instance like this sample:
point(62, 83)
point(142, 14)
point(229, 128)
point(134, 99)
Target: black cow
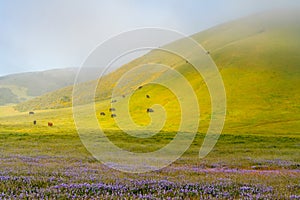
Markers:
point(140, 87)
point(31, 113)
point(34, 122)
point(149, 110)
point(112, 109)
point(113, 115)
point(148, 96)
point(102, 113)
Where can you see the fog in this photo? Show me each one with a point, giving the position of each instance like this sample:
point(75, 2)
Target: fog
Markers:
point(39, 35)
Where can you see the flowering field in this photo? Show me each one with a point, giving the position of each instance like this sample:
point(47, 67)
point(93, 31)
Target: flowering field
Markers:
point(66, 177)
point(43, 162)
point(54, 177)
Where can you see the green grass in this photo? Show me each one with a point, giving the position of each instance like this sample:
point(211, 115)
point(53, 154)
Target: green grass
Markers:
point(243, 146)
point(51, 156)
point(258, 61)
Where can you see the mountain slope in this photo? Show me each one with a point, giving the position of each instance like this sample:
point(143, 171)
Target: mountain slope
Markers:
point(258, 58)
point(25, 86)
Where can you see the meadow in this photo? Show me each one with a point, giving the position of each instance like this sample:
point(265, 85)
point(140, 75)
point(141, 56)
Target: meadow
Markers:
point(38, 161)
point(256, 157)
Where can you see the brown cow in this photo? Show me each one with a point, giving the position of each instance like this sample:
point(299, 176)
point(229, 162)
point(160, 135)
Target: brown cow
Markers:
point(50, 124)
point(34, 122)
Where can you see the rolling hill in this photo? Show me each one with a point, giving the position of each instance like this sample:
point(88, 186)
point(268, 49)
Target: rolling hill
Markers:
point(258, 58)
point(17, 88)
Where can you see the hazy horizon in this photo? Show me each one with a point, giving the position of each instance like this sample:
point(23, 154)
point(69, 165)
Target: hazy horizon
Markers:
point(38, 36)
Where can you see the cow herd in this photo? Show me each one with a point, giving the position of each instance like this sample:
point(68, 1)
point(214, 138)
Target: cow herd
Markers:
point(111, 110)
point(35, 122)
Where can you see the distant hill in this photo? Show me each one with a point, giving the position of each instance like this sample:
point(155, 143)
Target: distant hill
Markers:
point(258, 58)
point(17, 88)
point(6, 96)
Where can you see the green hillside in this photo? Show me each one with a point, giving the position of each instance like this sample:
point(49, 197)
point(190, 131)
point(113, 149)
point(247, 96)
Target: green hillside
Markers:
point(258, 58)
point(25, 86)
point(6, 96)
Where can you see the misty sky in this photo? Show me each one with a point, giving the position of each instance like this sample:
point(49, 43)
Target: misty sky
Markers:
point(40, 34)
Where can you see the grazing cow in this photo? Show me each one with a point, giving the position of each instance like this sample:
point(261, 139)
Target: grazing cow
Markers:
point(31, 113)
point(149, 110)
point(123, 96)
point(207, 52)
point(112, 109)
point(140, 87)
point(113, 101)
point(34, 122)
point(102, 113)
point(113, 115)
point(50, 124)
point(147, 96)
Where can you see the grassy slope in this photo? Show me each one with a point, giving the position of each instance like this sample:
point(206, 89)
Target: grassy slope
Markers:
point(258, 59)
point(53, 99)
point(28, 85)
point(6, 96)
point(260, 72)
